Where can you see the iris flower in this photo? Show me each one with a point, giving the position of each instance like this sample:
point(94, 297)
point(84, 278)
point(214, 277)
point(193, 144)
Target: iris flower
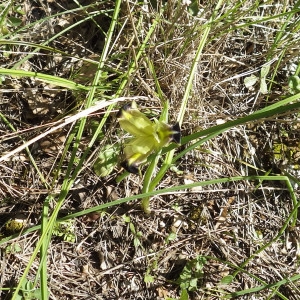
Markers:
point(147, 136)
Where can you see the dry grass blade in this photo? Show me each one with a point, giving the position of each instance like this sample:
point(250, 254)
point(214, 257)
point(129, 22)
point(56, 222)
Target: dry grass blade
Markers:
point(67, 120)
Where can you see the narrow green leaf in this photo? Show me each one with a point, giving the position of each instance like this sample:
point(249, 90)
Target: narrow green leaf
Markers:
point(227, 279)
point(46, 78)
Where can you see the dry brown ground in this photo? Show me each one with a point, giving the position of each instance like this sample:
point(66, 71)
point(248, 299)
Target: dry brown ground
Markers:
point(227, 221)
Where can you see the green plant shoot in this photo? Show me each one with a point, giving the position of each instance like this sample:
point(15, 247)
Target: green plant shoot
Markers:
point(147, 136)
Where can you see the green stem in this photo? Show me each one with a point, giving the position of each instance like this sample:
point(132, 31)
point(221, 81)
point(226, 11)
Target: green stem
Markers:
point(170, 154)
